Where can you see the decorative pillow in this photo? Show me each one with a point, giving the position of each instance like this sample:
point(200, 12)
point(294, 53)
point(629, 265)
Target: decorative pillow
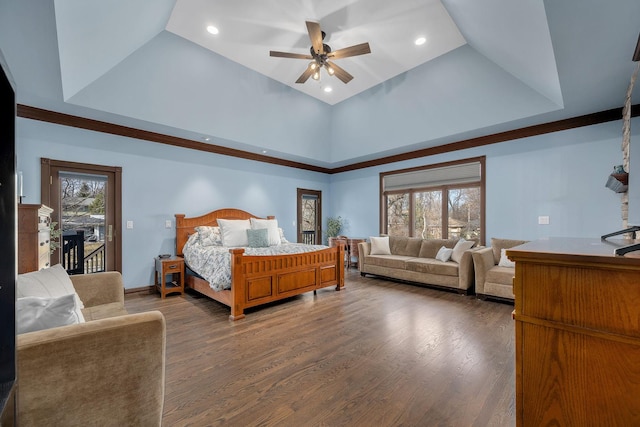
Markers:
point(282, 238)
point(234, 232)
point(48, 282)
point(498, 244)
point(36, 313)
point(209, 236)
point(504, 261)
point(271, 225)
point(380, 245)
point(459, 249)
point(444, 254)
point(258, 238)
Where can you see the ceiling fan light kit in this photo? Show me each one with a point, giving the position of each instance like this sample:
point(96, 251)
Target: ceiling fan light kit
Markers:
point(321, 54)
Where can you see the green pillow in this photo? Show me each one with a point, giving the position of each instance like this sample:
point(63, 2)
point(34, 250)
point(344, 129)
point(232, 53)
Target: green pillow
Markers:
point(258, 238)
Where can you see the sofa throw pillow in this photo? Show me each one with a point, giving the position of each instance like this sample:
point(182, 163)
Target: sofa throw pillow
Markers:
point(271, 225)
point(380, 246)
point(36, 313)
point(209, 236)
point(258, 238)
point(444, 254)
point(459, 249)
point(234, 232)
point(48, 282)
point(504, 261)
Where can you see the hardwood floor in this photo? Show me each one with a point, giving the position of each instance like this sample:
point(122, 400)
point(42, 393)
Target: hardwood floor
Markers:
point(378, 353)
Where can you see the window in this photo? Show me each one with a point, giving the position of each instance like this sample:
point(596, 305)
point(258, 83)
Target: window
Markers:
point(433, 202)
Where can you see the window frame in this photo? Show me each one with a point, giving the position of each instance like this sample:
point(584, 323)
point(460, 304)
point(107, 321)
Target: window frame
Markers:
point(445, 194)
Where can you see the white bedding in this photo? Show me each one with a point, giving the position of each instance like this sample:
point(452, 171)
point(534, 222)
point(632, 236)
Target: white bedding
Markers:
point(213, 262)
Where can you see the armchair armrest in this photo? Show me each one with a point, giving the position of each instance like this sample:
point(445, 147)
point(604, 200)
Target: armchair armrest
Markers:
point(364, 249)
point(99, 288)
point(482, 262)
point(465, 269)
point(104, 372)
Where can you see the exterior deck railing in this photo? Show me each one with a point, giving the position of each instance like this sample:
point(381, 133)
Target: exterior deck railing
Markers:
point(73, 258)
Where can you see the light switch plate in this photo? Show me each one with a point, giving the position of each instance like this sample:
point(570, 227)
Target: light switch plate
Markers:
point(543, 220)
point(129, 224)
point(167, 224)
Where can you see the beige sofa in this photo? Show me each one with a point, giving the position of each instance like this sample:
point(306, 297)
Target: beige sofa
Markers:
point(413, 260)
point(108, 371)
point(494, 280)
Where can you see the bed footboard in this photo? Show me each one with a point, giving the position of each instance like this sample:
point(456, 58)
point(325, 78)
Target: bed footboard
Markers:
point(258, 280)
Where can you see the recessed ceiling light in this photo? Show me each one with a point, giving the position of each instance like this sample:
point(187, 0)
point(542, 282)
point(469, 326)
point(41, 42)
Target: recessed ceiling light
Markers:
point(264, 151)
point(328, 89)
point(206, 138)
point(420, 41)
point(213, 30)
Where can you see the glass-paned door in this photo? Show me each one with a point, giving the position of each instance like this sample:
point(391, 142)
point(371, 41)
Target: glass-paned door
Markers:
point(86, 200)
point(309, 217)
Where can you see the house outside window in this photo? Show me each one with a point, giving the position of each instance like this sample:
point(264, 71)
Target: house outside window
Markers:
point(442, 201)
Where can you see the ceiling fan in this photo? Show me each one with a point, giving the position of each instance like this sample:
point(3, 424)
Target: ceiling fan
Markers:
point(321, 56)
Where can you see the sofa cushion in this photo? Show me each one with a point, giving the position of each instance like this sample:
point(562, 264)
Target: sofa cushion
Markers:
point(460, 247)
point(502, 275)
point(104, 311)
point(388, 261)
point(36, 313)
point(429, 247)
point(433, 266)
point(498, 244)
point(405, 246)
point(46, 283)
point(380, 245)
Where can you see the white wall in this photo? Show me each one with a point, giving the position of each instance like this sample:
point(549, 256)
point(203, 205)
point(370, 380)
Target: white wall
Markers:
point(560, 175)
point(159, 181)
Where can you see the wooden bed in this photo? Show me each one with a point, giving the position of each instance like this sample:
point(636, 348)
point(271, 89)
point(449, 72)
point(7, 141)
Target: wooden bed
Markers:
point(257, 280)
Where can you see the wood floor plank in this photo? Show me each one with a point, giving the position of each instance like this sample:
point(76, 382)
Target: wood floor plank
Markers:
point(376, 353)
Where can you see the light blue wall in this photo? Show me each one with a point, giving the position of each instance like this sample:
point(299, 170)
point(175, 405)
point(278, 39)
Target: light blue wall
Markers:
point(560, 175)
point(159, 181)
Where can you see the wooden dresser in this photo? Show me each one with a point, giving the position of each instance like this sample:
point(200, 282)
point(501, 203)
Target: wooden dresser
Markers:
point(577, 318)
point(33, 237)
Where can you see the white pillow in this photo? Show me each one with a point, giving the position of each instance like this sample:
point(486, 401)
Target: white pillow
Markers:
point(504, 261)
point(48, 282)
point(444, 254)
point(272, 228)
point(282, 238)
point(234, 232)
point(36, 313)
point(461, 246)
point(380, 245)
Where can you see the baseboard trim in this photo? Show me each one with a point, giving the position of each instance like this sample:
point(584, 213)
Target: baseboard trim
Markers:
point(144, 289)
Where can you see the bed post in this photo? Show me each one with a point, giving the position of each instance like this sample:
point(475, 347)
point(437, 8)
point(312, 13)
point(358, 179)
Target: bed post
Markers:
point(237, 285)
point(340, 284)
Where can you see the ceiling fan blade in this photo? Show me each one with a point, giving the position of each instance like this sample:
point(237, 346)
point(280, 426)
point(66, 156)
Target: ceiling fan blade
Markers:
point(305, 76)
point(359, 49)
point(289, 55)
point(315, 35)
point(340, 73)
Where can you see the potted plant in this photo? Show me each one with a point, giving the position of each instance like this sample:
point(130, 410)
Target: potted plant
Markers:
point(334, 226)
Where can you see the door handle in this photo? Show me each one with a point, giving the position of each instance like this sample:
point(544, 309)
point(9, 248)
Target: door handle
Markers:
point(110, 233)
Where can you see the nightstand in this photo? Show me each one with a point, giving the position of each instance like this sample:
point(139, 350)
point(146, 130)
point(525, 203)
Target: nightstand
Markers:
point(169, 275)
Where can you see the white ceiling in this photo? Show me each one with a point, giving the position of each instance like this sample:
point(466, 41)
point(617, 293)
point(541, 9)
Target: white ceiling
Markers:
point(249, 29)
point(488, 66)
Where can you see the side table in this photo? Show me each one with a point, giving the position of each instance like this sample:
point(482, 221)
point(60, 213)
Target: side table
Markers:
point(169, 275)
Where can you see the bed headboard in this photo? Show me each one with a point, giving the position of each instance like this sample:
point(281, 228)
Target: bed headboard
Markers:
point(186, 226)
